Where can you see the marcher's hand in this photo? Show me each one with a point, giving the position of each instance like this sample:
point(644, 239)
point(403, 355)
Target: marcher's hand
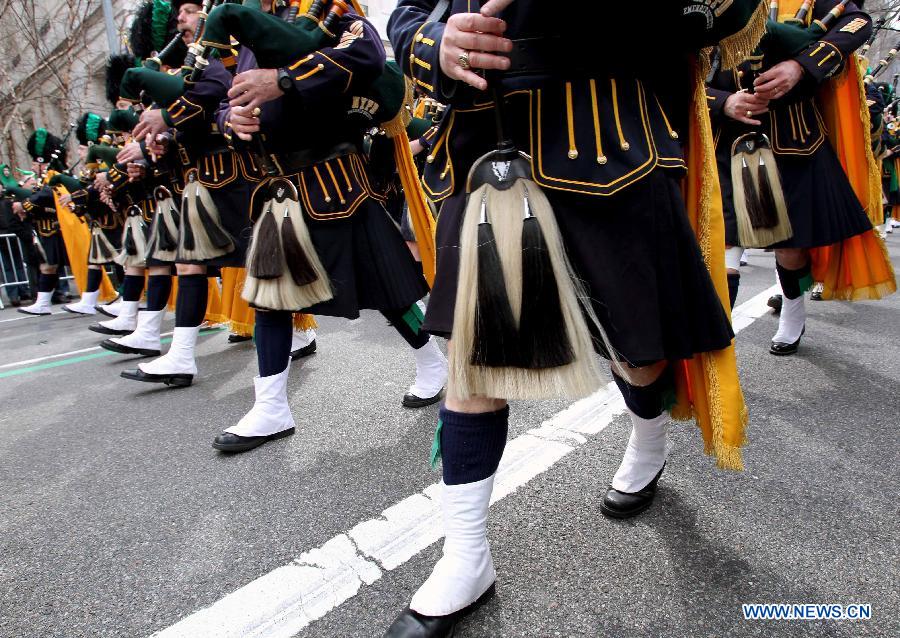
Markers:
point(779, 80)
point(242, 122)
point(493, 7)
point(476, 38)
point(254, 88)
point(742, 106)
point(415, 147)
point(135, 171)
point(152, 124)
point(65, 199)
point(157, 146)
point(19, 210)
point(131, 152)
point(101, 180)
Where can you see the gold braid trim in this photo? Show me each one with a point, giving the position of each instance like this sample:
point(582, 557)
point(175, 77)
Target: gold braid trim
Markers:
point(736, 47)
point(874, 208)
point(397, 125)
point(241, 328)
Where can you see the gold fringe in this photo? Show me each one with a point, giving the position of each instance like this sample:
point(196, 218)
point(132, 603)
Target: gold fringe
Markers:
point(303, 321)
point(874, 208)
point(397, 125)
point(241, 328)
point(419, 212)
point(735, 48)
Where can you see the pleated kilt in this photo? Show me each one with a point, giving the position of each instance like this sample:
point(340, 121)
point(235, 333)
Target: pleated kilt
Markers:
point(639, 261)
point(821, 204)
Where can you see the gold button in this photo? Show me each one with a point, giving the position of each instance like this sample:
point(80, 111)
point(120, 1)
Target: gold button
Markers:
point(412, 58)
point(321, 66)
point(674, 135)
point(625, 146)
point(573, 154)
point(430, 159)
point(419, 37)
point(740, 74)
point(601, 159)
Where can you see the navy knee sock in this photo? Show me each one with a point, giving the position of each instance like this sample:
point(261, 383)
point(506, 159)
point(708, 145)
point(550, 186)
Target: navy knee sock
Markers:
point(47, 283)
point(132, 287)
point(794, 282)
point(159, 287)
point(94, 277)
point(471, 444)
point(273, 341)
point(408, 322)
point(649, 401)
point(190, 305)
point(734, 282)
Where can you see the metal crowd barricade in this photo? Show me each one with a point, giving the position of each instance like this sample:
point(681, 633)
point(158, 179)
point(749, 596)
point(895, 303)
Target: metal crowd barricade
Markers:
point(12, 260)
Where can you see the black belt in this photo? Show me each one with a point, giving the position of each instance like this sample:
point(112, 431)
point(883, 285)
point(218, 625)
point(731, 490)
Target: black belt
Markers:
point(538, 55)
point(296, 161)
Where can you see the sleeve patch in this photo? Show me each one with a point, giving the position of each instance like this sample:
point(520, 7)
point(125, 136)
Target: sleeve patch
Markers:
point(854, 25)
point(351, 35)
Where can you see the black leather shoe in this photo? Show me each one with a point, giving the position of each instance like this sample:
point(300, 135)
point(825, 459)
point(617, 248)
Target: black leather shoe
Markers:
point(103, 311)
point(233, 443)
point(618, 504)
point(410, 400)
point(774, 303)
point(233, 338)
point(112, 346)
point(816, 295)
point(305, 351)
point(97, 327)
point(175, 380)
point(782, 349)
point(412, 624)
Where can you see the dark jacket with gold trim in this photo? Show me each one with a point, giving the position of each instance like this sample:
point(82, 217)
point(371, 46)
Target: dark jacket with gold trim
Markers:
point(793, 124)
point(41, 208)
point(314, 132)
point(595, 112)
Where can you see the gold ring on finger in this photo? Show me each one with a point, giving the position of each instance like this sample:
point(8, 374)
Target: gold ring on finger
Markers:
point(256, 111)
point(463, 60)
point(749, 113)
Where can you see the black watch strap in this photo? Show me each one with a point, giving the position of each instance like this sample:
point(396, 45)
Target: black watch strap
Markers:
point(284, 80)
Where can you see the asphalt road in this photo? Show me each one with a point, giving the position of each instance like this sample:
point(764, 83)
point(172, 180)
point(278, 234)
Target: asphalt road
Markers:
point(117, 518)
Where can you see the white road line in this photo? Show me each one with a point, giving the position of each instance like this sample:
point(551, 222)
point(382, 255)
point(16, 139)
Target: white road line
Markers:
point(24, 316)
point(290, 598)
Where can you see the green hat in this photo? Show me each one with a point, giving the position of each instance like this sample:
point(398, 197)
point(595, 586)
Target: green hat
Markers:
point(122, 120)
point(154, 25)
point(116, 65)
point(46, 148)
point(89, 128)
point(7, 181)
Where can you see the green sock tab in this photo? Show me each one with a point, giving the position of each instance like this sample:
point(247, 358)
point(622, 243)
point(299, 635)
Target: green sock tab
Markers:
point(436, 445)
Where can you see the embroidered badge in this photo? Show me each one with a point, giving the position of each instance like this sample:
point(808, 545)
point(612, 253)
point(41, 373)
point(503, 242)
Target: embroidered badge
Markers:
point(854, 25)
point(354, 32)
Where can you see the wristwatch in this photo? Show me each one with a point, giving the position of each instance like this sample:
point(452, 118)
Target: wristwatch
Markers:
point(285, 83)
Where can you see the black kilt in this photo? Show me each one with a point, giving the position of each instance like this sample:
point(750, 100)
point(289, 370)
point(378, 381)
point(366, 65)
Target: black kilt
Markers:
point(821, 204)
point(233, 204)
point(368, 262)
point(54, 248)
point(640, 263)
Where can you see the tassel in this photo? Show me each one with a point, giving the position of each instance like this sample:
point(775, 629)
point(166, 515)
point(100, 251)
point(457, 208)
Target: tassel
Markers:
point(217, 236)
point(495, 340)
point(543, 340)
point(187, 233)
point(751, 196)
point(768, 207)
point(166, 240)
point(302, 270)
point(281, 245)
point(128, 243)
point(267, 254)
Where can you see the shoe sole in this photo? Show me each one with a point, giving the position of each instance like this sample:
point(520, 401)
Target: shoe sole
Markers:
point(173, 380)
point(304, 351)
point(118, 348)
point(105, 312)
point(34, 314)
point(109, 331)
point(619, 515)
point(246, 447)
point(78, 312)
point(783, 353)
point(421, 403)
